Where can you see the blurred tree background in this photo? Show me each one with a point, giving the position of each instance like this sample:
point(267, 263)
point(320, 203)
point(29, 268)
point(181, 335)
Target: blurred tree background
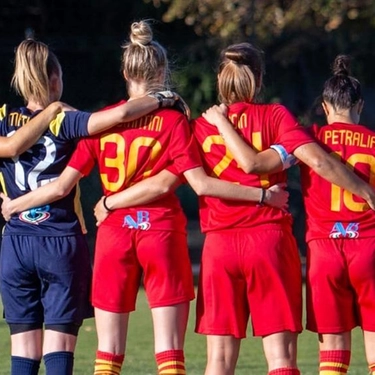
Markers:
point(300, 39)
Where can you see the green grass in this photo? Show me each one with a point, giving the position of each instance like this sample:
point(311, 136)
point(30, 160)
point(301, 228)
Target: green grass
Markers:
point(140, 360)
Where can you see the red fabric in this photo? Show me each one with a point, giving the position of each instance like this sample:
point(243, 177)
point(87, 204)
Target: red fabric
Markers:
point(133, 151)
point(260, 125)
point(170, 362)
point(285, 371)
point(332, 212)
point(122, 255)
point(335, 361)
point(340, 285)
point(249, 273)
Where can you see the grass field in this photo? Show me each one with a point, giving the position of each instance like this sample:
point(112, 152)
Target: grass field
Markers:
point(139, 356)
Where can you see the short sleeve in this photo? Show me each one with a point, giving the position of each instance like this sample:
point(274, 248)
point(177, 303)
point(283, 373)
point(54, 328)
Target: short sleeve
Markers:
point(84, 157)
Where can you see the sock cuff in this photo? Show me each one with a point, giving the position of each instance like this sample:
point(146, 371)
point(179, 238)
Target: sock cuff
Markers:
point(177, 354)
point(110, 357)
point(24, 365)
point(285, 371)
point(58, 355)
point(342, 356)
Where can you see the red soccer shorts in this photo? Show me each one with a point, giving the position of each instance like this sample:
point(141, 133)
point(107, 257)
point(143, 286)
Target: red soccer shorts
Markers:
point(123, 255)
point(340, 285)
point(249, 272)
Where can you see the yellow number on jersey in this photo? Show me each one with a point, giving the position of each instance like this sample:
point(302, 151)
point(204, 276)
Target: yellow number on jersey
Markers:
point(228, 157)
point(127, 168)
point(339, 195)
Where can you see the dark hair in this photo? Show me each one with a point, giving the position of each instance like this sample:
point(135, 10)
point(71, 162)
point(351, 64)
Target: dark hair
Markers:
point(342, 90)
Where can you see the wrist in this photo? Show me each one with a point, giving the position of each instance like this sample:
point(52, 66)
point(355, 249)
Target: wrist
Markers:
point(158, 99)
point(107, 205)
point(267, 196)
point(263, 197)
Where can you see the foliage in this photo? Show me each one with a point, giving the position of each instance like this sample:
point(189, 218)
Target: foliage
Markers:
point(300, 37)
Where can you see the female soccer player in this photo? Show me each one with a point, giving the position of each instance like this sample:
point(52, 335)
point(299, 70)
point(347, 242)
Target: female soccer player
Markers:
point(340, 266)
point(148, 239)
point(250, 263)
point(45, 263)
point(340, 230)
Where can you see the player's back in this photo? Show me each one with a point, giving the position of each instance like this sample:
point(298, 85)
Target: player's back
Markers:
point(42, 163)
point(133, 151)
point(331, 211)
point(260, 125)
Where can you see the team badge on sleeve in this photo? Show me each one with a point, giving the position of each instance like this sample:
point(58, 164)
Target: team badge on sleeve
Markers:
point(35, 215)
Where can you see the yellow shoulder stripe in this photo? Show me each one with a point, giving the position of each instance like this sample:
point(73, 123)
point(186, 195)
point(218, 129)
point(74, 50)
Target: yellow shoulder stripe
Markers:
point(55, 124)
point(3, 112)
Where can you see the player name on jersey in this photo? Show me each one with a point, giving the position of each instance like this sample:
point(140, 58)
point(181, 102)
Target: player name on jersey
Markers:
point(349, 138)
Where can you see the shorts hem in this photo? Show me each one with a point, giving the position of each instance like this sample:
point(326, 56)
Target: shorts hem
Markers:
point(114, 309)
point(172, 302)
point(271, 331)
point(329, 330)
point(221, 333)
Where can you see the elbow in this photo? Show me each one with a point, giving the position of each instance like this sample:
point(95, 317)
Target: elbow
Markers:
point(164, 190)
point(249, 167)
point(60, 192)
point(200, 188)
point(11, 151)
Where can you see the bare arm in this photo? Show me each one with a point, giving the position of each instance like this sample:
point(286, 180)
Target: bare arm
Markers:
point(143, 192)
point(133, 109)
point(249, 160)
point(210, 186)
point(129, 111)
point(334, 171)
point(48, 193)
point(163, 183)
point(28, 134)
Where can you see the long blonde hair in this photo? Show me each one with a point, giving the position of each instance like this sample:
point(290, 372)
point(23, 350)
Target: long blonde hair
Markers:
point(144, 59)
point(240, 73)
point(33, 67)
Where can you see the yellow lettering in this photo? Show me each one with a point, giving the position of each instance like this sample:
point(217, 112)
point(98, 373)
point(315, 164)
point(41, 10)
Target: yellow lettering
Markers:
point(356, 139)
point(349, 137)
point(327, 136)
point(335, 137)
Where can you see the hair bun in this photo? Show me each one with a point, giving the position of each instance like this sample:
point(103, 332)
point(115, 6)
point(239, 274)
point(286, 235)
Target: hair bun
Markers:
point(141, 33)
point(341, 65)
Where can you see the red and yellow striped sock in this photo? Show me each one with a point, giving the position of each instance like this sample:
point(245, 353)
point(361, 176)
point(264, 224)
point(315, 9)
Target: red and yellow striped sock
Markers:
point(372, 369)
point(334, 362)
point(171, 362)
point(108, 363)
point(285, 371)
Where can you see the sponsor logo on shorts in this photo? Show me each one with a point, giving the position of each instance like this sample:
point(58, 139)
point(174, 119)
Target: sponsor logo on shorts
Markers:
point(141, 222)
point(35, 215)
point(339, 230)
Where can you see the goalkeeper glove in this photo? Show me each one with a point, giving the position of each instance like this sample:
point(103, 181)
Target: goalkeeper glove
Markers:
point(172, 100)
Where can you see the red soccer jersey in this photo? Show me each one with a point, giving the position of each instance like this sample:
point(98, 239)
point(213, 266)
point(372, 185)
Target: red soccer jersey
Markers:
point(260, 125)
point(133, 151)
point(332, 212)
